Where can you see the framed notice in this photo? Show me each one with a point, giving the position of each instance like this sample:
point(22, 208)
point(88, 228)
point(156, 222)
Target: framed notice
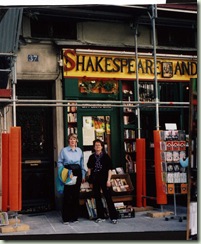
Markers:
point(167, 69)
point(88, 136)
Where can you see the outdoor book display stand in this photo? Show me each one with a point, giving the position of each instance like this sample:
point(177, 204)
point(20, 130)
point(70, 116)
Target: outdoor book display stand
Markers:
point(121, 190)
point(170, 173)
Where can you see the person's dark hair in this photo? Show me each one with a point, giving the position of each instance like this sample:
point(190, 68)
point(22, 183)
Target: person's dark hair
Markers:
point(101, 142)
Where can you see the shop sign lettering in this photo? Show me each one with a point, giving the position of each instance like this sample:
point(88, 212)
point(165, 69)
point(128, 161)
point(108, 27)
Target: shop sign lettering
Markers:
point(90, 65)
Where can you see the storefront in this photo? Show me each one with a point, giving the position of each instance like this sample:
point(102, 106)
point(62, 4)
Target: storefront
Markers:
point(60, 84)
point(87, 74)
point(110, 103)
point(101, 90)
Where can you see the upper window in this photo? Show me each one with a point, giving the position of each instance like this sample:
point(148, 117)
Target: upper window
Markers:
point(53, 27)
point(176, 37)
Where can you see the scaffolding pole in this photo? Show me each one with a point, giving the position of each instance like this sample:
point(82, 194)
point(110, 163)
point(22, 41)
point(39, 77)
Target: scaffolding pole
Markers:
point(14, 81)
point(137, 81)
point(153, 17)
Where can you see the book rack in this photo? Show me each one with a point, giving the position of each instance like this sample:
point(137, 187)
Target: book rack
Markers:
point(171, 175)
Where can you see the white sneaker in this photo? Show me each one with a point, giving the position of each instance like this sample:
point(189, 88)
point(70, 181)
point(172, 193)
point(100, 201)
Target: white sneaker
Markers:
point(66, 223)
point(99, 220)
point(114, 221)
point(75, 221)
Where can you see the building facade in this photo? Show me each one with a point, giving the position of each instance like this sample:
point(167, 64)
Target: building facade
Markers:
point(108, 72)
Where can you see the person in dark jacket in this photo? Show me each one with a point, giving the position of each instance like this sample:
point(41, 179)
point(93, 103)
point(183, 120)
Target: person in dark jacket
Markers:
point(99, 172)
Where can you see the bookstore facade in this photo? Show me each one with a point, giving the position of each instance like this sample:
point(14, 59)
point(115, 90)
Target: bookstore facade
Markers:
point(98, 94)
point(116, 95)
point(113, 106)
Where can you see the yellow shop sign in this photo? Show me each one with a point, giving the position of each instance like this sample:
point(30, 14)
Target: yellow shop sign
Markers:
point(124, 67)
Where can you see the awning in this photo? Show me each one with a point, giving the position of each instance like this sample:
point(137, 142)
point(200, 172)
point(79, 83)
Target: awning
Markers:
point(10, 24)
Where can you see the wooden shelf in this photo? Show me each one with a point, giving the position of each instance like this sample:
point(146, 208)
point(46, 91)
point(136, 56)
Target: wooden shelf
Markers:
point(122, 198)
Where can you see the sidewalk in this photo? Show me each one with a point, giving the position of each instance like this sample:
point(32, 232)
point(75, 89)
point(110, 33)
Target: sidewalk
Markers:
point(48, 226)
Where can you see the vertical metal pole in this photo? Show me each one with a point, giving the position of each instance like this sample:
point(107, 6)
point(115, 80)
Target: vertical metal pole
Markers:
point(137, 80)
point(154, 15)
point(4, 120)
point(14, 81)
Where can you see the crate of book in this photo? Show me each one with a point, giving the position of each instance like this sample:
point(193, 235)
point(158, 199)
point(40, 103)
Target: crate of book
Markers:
point(85, 190)
point(124, 211)
point(121, 183)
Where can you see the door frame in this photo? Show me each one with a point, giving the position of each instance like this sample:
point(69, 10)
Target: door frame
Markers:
point(114, 128)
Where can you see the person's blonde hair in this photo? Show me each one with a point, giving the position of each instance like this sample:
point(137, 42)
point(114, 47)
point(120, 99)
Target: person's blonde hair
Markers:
point(73, 135)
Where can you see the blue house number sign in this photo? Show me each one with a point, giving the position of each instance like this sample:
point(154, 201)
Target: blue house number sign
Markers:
point(32, 58)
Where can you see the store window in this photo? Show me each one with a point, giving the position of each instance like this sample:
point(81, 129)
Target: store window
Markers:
point(174, 92)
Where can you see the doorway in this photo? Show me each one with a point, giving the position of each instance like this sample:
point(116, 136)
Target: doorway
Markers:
point(100, 124)
point(36, 124)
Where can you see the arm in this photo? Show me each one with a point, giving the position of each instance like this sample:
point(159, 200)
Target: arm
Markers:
point(109, 178)
point(109, 165)
point(89, 166)
point(82, 168)
point(60, 162)
point(89, 172)
point(89, 178)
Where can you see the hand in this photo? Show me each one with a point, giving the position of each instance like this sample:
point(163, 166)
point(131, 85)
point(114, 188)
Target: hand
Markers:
point(108, 183)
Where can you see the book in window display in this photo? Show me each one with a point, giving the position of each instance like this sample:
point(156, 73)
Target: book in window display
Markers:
point(146, 92)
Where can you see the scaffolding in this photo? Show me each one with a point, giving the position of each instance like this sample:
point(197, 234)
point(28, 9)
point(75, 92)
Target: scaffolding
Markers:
point(14, 102)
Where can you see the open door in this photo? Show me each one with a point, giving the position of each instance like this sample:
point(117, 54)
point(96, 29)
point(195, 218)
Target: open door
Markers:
point(99, 124)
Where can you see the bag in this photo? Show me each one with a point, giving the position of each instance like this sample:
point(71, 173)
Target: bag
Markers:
point(73, 166)
point(72, 181)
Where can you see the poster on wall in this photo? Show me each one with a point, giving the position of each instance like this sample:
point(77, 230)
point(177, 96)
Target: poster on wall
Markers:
point(88, 136)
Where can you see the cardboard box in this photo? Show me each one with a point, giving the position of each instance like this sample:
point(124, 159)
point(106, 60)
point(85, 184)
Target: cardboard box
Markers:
point(121, 184)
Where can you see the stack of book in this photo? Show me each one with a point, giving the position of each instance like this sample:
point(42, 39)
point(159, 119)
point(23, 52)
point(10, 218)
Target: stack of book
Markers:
point(120, 185)
point(125, 211)
point(91, 208)
point(118, 170)
point(85, 187)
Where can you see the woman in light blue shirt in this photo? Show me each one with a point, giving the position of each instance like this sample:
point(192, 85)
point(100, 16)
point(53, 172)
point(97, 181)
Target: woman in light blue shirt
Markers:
point(71, 158)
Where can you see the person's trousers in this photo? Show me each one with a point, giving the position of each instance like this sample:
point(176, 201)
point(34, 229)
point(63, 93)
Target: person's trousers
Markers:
point(97, 186)
point(70, 208)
